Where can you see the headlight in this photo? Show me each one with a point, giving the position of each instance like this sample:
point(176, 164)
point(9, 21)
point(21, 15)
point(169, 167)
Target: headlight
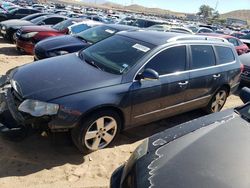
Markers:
point(38, 108)
point(3, 27)
point(29, 35)
point(57, 53)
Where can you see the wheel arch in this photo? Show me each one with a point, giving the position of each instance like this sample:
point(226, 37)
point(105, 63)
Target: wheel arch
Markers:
point(106, 107)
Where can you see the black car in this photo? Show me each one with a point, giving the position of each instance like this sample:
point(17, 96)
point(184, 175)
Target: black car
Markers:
point(9, 27)
point(129, 79)
point(72, 43)
point(245, 76)
point(211, 151)
point(17, 13)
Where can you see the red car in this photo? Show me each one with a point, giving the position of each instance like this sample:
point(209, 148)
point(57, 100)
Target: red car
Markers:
point(27, 37)
point(240, 47)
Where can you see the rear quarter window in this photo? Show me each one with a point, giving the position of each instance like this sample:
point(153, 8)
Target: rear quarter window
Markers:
point(225, 54)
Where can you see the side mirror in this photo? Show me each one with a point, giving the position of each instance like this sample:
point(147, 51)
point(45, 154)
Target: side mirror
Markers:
point(245, 94)
point(149, 74)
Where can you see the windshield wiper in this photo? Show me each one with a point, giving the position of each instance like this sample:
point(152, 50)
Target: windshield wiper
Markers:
point(93, 64)
point(81, 38)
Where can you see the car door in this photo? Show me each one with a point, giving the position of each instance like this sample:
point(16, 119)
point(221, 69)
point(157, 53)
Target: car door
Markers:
point(153, 100)
point(204, 74)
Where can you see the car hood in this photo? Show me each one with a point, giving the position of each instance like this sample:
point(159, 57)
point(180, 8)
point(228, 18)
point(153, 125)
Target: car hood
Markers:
point(212, 147)
point(38, 28)
point(215, 156)
point(16, 22)
point(56, 77)
point(62, 42)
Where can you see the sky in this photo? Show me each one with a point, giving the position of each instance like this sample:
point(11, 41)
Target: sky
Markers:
point(189, 6)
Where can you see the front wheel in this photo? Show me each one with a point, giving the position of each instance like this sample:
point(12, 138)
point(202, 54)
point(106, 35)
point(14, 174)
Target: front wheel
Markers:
point(96, 132)
point(218, 101)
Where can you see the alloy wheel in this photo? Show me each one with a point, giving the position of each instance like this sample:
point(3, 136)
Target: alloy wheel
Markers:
point(219, 101)
point(100, 133)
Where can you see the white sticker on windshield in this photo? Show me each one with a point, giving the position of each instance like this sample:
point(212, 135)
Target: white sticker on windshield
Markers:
point(110, 31)
point(141, 47)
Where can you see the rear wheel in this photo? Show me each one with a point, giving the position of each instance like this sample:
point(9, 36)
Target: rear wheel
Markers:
point(218, 101)
point(96, 132)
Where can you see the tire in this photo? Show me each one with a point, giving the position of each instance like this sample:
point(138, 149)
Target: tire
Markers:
point(91, 134)
point(218, 101)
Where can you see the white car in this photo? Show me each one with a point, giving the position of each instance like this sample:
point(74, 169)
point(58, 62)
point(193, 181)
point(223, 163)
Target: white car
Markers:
point(81, 26)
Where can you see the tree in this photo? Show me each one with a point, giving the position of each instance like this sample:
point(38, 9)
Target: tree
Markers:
point(205, 11)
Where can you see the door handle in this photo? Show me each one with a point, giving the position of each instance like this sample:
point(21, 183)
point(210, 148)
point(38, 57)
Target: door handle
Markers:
point(216, 75)
point(183, 83)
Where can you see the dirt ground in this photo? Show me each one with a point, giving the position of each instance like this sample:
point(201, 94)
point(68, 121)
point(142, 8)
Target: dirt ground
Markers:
point(53, 161)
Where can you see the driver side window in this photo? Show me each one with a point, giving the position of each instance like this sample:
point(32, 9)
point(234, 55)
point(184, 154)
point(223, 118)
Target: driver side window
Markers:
point(169, 61)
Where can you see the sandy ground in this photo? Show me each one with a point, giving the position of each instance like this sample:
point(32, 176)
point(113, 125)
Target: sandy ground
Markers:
point(53, 161)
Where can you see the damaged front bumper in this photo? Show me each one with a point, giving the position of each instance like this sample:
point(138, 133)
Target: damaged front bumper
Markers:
point(10, 119)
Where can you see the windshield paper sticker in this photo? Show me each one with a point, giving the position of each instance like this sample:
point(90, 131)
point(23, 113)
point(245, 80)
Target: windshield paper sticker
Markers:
point(110, 31)
point(141, 48)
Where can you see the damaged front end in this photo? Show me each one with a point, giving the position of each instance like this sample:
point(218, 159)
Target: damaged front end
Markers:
point(10, 119)
point(13, 122)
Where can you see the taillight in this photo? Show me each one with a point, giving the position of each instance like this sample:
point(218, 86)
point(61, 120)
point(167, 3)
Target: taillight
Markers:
point(241, 68)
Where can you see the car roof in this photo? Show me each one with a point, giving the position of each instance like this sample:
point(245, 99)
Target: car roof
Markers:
point(153, 37)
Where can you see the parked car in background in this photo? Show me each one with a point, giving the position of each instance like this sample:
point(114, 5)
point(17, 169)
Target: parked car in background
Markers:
point(246, 39)
point(240, 47)
point(83, 25)
point(28, 36)
point(237, 34)
point(9, 27)
point(159, 27)
point(245, 76)
point(62, 45)
point(144, 23)
point(17, 13)
point(129, 79)
point(210, 151)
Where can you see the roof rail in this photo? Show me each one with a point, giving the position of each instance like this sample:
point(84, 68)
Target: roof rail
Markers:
point(188, 37)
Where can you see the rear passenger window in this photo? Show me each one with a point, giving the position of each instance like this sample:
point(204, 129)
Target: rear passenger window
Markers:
point(202, 56)
point(169, 61)
point(225, 54)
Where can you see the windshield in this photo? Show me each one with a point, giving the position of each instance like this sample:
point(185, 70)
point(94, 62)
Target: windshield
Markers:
point(97, 34)
point(38, 20)
point(63, 25)
point(12, 10)
point(194, 29)
point(116, 54)
point(245, 36)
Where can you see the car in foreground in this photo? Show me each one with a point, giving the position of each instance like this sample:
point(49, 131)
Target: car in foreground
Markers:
point(240, 47)
point(245, 76)
point(62, 45)
point(17, 13)
point(211, 151)
point(27, 36)
point(9, 27)
point(129, 79)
